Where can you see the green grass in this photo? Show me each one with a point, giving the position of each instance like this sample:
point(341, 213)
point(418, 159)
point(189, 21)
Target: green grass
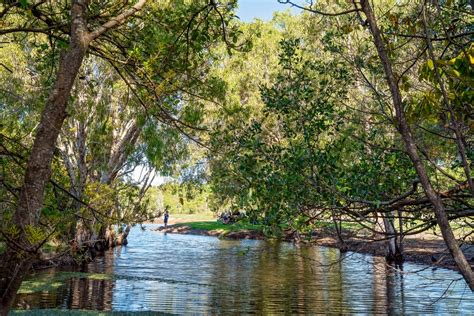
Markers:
point(3, 246)
point(193, 217)
point(215, 225)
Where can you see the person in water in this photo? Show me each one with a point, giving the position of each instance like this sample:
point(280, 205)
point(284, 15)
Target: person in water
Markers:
point(165, 217)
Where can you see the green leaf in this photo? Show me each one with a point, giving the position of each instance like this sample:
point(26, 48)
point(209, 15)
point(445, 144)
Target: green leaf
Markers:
point(24, 4)
point(430, 64)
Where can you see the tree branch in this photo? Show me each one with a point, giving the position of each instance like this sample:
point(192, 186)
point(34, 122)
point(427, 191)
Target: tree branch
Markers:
point(115, 21)
point(317, 11)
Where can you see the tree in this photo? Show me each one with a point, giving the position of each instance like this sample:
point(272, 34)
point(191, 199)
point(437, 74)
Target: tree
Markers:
point(412, 150)
point(386, 55)
point(357, 167)
point(16, 262)
point(159, 57)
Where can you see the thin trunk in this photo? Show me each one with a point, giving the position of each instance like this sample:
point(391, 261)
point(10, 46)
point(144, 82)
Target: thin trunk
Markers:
point(74, 160)
point(337, 225)
point(400, 234)
point(118, 155)
point(460, 140)
point(392, 247)
point(411, 149)
point(394, 250)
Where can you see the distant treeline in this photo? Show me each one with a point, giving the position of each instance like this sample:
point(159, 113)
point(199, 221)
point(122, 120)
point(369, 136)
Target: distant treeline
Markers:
point(180, 198)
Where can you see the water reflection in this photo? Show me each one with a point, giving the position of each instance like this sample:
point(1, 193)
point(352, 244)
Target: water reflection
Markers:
point(204, 275)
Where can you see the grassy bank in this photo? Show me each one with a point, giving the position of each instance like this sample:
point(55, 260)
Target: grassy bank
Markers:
point(200, 217)
point(217, 226)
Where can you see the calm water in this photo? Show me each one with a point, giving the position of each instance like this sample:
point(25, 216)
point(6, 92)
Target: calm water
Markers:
point(204, 275)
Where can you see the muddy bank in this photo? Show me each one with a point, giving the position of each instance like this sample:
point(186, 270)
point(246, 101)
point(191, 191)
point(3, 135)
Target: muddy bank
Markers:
point(424, 248)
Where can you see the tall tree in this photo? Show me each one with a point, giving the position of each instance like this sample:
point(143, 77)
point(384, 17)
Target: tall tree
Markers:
point(412, 150)
point(159, 59)
point(21, 251)
point(363, 11)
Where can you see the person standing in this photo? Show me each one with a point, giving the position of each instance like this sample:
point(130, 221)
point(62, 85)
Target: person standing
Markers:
point(165, 218)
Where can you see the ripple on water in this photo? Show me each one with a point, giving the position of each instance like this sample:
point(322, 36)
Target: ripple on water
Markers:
point(205, 275)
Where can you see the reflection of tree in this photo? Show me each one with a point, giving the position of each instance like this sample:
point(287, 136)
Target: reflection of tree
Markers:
point(379, 285)
point(402, 291)
point(277, 277)
point(77, 293)
point(232, 278)
point(209, 276)
point(334, 300)
point(93, 294)
point(388, 287)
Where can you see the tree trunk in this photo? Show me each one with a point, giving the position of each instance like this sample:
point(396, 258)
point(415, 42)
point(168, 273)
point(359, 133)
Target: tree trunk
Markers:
point(117, 159)
point(109, 238)
point(400, 232)
point(122, 238)
point(394, 250)
point(338, 227)
point(21, 253)
point(411, 149)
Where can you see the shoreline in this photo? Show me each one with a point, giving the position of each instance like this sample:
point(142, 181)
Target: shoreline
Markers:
point(423, 249)
point(186, 230)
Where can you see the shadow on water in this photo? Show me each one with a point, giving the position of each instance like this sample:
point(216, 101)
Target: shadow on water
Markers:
point(183, 273)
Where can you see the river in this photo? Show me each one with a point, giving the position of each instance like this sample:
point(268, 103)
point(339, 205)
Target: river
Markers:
point(179, 274)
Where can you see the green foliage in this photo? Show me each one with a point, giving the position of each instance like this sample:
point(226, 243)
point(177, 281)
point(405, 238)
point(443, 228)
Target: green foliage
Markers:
point(458, 75)
point(277, 157)
point(181, 198)
point(319, 137)
point(294, 114)
point(137, 100)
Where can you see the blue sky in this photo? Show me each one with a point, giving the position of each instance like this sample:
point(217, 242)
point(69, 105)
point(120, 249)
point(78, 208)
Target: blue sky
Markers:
point(262, 9)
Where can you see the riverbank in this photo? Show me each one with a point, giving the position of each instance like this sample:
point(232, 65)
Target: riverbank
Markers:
point(184, 218)
point(423, 248)
point(215, 229)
